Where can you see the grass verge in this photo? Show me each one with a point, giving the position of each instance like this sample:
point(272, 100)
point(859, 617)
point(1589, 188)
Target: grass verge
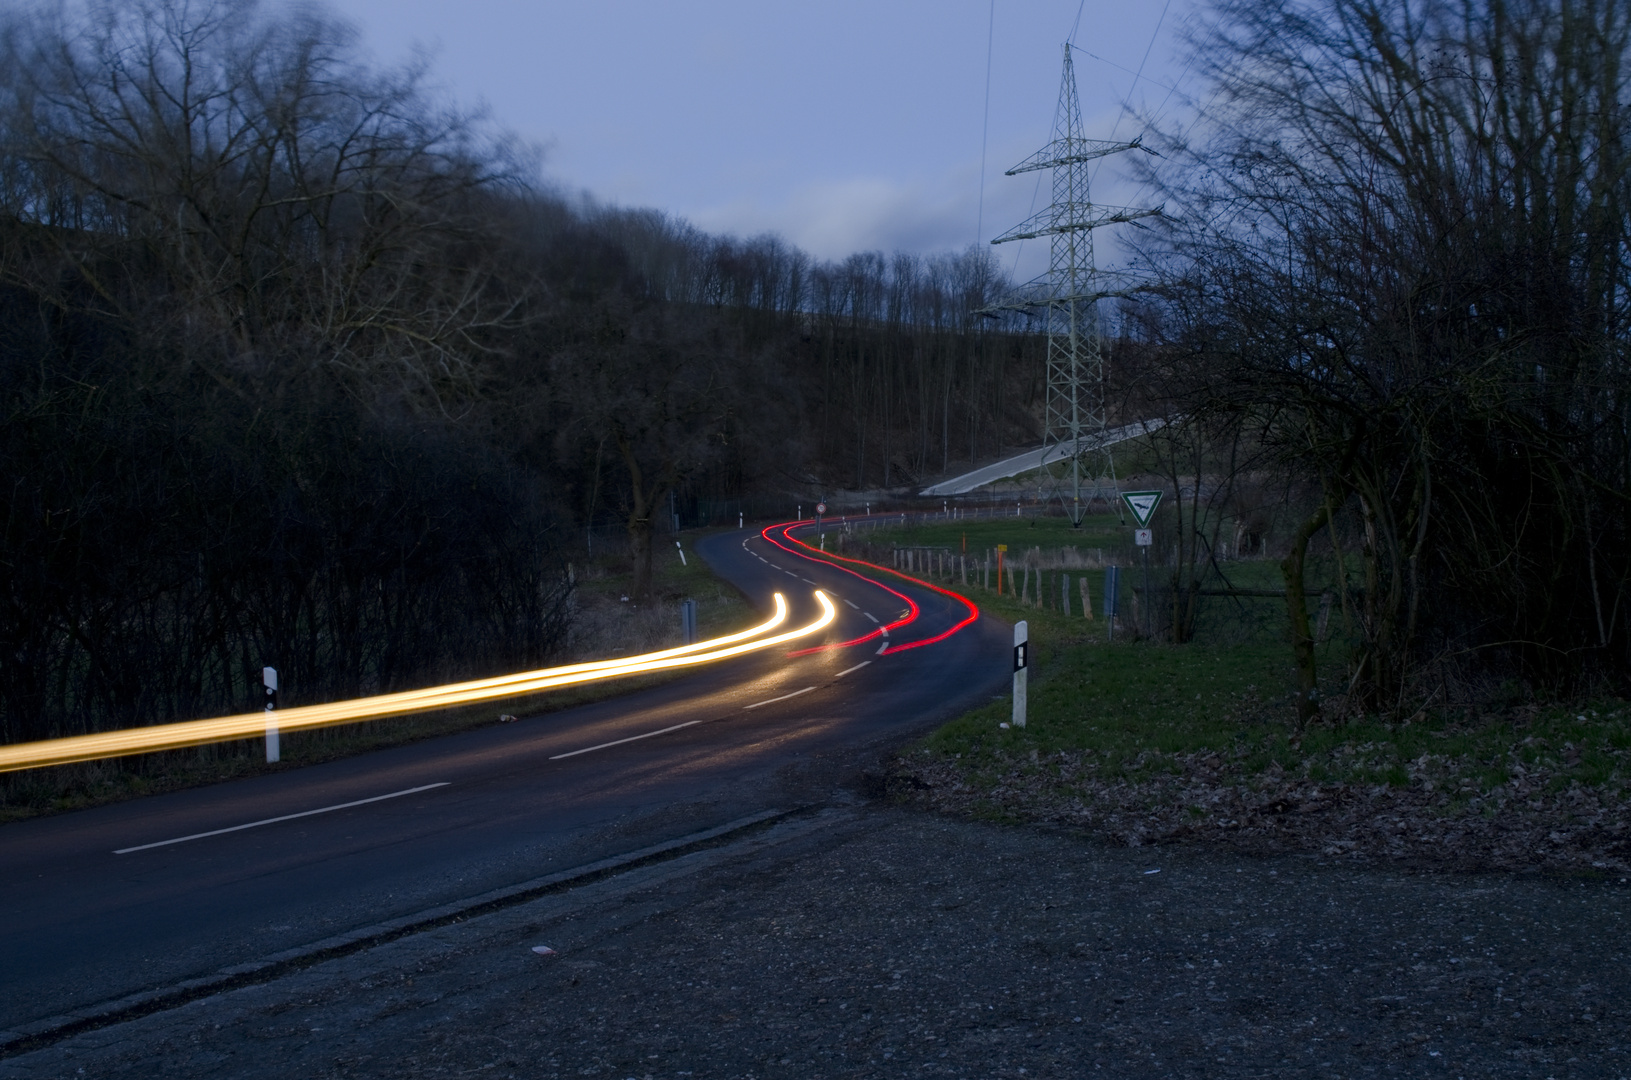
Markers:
point(1143, 743)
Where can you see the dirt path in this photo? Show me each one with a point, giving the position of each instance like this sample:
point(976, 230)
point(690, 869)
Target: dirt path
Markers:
point(872, 941)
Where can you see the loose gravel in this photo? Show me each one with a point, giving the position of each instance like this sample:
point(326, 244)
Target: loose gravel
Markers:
point(886, 942)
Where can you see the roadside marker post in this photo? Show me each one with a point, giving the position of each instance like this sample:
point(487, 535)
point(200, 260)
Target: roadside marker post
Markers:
point(1112, 591)
point(1022, 666)
point(1000, 549)
point(688, 620)
point(269, 683)
point(682, 553)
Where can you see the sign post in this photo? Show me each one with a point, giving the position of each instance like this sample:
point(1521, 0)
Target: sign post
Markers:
point(1000, 549)
point(1022, 665)
point(821, 508)
point(269, 682)
point(1143, 504)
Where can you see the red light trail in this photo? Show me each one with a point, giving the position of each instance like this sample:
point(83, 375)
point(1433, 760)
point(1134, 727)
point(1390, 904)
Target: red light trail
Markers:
point(833, 560)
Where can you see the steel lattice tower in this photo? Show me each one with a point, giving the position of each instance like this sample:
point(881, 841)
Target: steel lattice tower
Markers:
point(1069, 295)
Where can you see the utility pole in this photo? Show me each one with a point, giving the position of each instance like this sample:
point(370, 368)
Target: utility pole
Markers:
point(1069, 297)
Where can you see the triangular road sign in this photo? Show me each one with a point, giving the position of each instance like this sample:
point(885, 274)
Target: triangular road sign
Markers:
point(1142, 504)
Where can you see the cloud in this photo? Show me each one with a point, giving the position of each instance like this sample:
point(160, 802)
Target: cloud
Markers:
point(831, 219)
point(835, 217)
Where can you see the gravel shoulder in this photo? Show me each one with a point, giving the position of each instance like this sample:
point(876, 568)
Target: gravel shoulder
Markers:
point(878, 940)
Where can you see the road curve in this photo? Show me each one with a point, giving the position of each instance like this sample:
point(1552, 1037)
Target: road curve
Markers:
point(104, 903)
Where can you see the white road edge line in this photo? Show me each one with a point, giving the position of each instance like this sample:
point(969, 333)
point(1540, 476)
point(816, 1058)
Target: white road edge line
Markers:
point(285, 817)
point(773, 700)
point(620, 742)
point(857, 667)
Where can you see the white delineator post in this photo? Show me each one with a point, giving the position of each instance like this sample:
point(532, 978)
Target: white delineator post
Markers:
point(1022, 664)
point(269, 681)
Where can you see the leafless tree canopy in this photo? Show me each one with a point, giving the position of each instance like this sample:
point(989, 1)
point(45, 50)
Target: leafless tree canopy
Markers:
point(1403, 260)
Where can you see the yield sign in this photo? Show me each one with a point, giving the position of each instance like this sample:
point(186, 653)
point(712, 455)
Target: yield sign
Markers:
point(1142, 504)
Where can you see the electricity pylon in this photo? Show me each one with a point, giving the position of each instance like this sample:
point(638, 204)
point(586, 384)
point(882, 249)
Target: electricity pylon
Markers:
point(1069, 296)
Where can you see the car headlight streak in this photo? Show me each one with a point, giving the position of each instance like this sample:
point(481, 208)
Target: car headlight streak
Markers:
point(248, 725)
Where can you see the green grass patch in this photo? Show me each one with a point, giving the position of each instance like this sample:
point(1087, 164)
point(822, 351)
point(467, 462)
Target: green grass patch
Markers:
point(1138, 709)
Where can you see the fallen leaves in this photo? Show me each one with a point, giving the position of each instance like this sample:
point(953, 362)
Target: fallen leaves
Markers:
point(1440, 816)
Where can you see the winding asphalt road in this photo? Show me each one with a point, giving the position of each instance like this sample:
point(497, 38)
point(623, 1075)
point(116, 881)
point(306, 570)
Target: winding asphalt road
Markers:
point(84, 920)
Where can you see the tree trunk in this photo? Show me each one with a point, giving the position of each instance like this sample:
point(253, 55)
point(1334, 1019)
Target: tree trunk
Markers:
point(640, 555)
point(1302, 641)
point(642, 501)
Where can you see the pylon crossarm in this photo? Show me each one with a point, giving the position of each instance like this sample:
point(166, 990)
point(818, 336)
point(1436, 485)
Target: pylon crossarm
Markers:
point(1024, 306)
point(1069, 151)
point(1044, 223)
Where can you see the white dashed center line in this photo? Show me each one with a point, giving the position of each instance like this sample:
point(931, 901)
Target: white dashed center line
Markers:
point(869, 615)
point(857, 667)
point(620, 742)
point(773, 700)
point(284, 817)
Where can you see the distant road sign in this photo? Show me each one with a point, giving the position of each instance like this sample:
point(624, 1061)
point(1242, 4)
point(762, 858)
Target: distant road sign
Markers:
point(1143, 537)
point(1142, 504)
point(821, 508)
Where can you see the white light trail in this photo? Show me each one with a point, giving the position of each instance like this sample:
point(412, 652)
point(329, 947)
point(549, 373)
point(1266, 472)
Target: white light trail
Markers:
point(248, 725)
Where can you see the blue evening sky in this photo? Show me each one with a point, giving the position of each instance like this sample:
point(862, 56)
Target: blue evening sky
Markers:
point(842, 125)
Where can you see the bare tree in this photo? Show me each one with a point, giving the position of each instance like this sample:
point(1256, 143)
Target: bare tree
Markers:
point(301, 210)
point(1411, 220)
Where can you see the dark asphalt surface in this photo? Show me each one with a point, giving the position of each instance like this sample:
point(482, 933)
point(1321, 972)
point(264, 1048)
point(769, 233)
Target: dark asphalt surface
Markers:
point(84, 925)
point(877, 942)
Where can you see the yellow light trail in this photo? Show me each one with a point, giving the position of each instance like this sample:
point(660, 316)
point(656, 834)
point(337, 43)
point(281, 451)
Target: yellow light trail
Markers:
point(186, 733)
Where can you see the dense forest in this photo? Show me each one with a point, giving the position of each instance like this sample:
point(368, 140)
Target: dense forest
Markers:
point(302, 364)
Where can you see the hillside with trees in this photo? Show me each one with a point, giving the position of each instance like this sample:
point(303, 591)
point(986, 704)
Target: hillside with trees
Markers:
point(303, 364)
